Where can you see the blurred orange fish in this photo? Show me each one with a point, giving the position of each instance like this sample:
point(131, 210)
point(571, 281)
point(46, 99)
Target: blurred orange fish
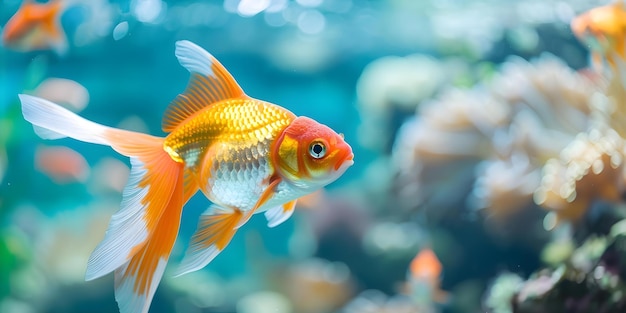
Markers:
point(604, 30)
point(424, 278)
point(36, 26)
point(61, 164)
point(246, 155)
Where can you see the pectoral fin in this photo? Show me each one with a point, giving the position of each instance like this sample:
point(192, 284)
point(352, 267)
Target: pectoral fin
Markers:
point(267, 194)
point(277, 215)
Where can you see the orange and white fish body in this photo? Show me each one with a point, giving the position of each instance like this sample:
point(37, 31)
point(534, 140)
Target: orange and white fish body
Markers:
point(246, 155)
point(36, 26)
point(603, 29)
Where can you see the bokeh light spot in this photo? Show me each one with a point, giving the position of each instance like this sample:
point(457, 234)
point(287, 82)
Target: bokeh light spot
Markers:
point(311, 22)
point(120, 31)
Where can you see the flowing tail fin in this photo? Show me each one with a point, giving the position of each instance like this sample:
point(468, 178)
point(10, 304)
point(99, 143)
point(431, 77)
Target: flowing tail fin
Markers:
point(142, 233)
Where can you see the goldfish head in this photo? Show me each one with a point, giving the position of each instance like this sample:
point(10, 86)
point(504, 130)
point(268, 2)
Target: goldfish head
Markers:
point(311, 155)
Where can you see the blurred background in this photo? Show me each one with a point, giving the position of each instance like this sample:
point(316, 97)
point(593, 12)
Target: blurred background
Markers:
point(488, 138)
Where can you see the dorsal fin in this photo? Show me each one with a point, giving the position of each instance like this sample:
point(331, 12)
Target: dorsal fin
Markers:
point(210, 82)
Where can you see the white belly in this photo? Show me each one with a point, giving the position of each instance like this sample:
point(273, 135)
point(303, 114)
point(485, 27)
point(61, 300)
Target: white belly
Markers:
point(240, 185)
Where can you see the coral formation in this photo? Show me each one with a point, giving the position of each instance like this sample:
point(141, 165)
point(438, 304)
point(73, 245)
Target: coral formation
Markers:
point(591, 280)
point(390, 87)
point(507, 128)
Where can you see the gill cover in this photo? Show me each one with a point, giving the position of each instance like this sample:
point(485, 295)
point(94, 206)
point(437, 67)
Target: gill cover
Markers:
point(288, 162)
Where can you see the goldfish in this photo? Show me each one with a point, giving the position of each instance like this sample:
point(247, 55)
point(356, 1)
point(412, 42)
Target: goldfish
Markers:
point(36, 26)
point(245, 155)
point(604, 30)
point(424, 279)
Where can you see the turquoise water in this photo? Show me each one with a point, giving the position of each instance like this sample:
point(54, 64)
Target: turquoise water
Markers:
point(442, 102)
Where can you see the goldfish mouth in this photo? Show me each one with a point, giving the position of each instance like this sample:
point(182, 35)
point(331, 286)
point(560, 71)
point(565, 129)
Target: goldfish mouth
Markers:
point(345, 161)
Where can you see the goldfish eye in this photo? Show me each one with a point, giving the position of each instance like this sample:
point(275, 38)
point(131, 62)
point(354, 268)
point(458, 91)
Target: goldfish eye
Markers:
point(317, 149)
